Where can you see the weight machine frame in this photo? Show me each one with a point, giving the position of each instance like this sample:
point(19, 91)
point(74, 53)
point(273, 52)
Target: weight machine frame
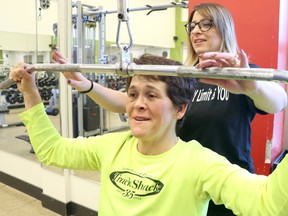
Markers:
point(86, 13)
point(126, 68)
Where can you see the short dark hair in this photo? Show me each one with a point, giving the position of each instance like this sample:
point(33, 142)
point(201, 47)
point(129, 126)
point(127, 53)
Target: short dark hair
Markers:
point(149, 59)
point(180, 90)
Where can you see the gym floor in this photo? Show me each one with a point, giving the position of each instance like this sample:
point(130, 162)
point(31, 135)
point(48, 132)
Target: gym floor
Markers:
point(12, 201)
point(15, 203)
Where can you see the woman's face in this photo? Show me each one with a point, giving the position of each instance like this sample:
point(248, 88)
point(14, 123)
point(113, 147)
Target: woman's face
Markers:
point(151, 113)
point(209, 41)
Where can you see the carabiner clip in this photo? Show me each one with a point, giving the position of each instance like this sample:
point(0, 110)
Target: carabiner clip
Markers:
point(123, 17)
point(126, 47)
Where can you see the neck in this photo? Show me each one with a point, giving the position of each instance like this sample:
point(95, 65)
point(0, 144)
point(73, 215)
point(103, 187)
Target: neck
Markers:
point(156, 147)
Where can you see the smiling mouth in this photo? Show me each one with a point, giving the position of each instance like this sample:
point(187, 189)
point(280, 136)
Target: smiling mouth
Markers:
point(141, 119)
point(199, 41)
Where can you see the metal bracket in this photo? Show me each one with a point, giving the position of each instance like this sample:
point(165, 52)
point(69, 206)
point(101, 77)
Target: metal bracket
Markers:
point(123, 16)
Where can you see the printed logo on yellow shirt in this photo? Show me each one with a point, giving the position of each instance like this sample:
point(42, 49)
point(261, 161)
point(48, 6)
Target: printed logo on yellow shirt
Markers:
point(133, 185)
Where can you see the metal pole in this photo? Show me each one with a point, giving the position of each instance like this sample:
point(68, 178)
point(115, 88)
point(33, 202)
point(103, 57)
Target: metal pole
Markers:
point(80, 59)
point(65, 92)
point(267, 74)
point(102, 59)
point(146, 7)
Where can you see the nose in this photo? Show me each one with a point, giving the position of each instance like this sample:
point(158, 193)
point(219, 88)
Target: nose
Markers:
point(140, 103)
point(196, 29)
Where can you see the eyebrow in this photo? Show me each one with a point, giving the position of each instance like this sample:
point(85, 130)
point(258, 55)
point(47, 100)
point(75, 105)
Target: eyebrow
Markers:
point(200, 20)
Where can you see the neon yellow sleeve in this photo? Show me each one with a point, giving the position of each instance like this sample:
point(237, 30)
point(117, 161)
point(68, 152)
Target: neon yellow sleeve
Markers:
point(53, 149)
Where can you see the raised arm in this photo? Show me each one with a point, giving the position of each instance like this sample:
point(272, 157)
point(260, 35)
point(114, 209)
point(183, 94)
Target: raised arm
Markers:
point(267, 96)
point(109, 99)
point(26, 85)
point(50, 147)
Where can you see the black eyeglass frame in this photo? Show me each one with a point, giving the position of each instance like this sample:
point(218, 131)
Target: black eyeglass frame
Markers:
point(200, 25)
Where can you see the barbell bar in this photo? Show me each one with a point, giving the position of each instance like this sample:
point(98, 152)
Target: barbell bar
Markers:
point(131, 69)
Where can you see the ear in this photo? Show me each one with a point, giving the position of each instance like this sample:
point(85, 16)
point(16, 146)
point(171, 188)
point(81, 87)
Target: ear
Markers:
point(181, 111)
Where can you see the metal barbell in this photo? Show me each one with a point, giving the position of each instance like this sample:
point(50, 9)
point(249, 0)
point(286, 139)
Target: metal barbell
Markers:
point(131, 69)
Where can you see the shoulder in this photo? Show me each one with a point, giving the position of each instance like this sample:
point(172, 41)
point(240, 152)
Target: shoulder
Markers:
point(200, 158)
point(196, 149)
point(115, 137)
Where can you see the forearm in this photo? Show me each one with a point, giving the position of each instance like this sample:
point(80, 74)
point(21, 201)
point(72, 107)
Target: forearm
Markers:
point(269, 97)
point(108, 98)
point(32, 98)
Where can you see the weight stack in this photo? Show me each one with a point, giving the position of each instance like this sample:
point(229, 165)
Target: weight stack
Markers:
point(91, 118)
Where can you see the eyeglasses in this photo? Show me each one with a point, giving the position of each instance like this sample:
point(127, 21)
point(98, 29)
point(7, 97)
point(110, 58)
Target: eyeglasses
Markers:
point(204, 25)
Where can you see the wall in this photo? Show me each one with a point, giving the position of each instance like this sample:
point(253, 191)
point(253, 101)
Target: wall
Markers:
point(156, 29)
point(181, 35)
point(24, 42)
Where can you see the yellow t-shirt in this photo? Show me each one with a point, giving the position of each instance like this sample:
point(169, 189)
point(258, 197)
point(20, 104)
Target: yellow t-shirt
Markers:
point(178, 182)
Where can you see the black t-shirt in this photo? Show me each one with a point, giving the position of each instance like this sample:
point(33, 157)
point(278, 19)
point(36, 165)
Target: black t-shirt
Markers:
point(220, 121)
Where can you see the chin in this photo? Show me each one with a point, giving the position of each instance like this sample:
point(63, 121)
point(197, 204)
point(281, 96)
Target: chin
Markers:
point(199, 51)
point(137, 133)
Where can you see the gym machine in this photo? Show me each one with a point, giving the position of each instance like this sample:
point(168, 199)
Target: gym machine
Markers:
point(125, 68)
point(84, 21)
